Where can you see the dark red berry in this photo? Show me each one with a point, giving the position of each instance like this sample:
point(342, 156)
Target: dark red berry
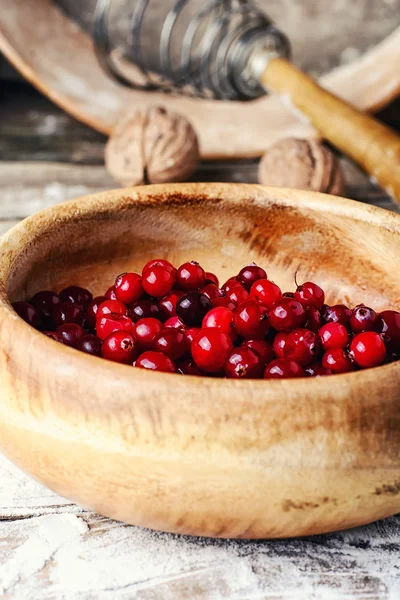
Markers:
point(111, 307)
point(337, 361)
point(287, 314)
point(71, 333)
point(310, 294)
point(106, 325)
point(333, 335)
point(190, 276)
point(212, 291)
point(336, 314)
point(302, 346)
point(28, 313)
point(250, 274)
point(210, 349)
point(314, 320)
point(279, 343)
point(187, 366)
point(368, 349)
point(263, 349)
point(54, 336)
point(128, 288)
point(192, 308)
point(156, 361)
point(175, 322)
point(172, 342)
point(223, 301)
point(110, 293)
point(191, 333)
point(283, 368)
point(158, 281)
point(67, 312)
point(266, 292)
point(76, 295)
point(243, 363)
point(250, 320)
point(144, 309)
point(44, 302)
point(91, 311)
point(362, 319)
point(120, 347)
point(145, 330)
point(168, 304)
point(90, 344)
point(237, 294)
point(221, 318)
point(388, 324)
point(317, 370)
point(211, 278)
point(288, 295)
point(159, 262)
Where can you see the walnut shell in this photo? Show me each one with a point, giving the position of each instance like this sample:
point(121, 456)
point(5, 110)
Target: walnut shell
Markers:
point(301, 164)
point(153, 146)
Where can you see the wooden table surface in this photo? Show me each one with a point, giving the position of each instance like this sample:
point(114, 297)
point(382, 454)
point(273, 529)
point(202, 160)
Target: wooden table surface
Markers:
point(50, 548)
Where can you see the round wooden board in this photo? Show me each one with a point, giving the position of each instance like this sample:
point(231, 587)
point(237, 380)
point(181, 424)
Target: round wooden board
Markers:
point(57, 56)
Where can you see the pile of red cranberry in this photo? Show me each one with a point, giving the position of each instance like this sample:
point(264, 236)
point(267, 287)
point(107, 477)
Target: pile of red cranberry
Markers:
point(180, 320)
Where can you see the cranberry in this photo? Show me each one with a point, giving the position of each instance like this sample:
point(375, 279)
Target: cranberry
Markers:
point(156, 361)
point(334, 335)
point(110, 293)
point(71, 333)
point(172, 342)
point(368, 349)
point(106, 325)
point(168, 303)
point(191, 333)
point(28, 313)
point(243, 363)
point(313, 319)
point(145, 330)
point(212, 291)
point(76, 295)
point(158, 281)
point(128, 288)
point(237, 294)
point(159, 262)
point(388, 324)
point(223, 301)
point(54, 336)
point(192, 308)
point(337, 361)
point(67, 312)
point(282, 368)
point(187, 366)
point(279, 344)
point(211, 278)
point(91, 311)
point(362, 319)
point(145, 308)
point(221, 318)
point(251, 321)
point(175, 322)
point(230, 283)
point(336, 314)
point(210, 349)
point(111, 307)
point(317, 370)
point(287, 314)
point(310, 294)
point(90, 344)
point(44, 302)
point(190, 276)
point(266, 292)
point(120, 347)
point(263, 349)
point(302, 346)
point(250, 274)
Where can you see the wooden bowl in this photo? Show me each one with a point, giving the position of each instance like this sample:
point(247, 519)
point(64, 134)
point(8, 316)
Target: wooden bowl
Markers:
point(203, 456)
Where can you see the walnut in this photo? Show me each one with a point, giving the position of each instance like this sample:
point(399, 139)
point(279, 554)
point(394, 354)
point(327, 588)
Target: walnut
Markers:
point(302, 164)
point(152, 146)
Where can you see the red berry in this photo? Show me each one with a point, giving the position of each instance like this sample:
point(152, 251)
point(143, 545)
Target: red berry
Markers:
point(145, 308)
point(221, 318)
point(251, 321)
point(192, 308)
point(156, 361)
point(313, 319)
point(287, 314)
point(333, 335)
point(223, 301)
point(262, 348)
point(388, 324)
point(175, 322)
point(229, 284)
point(310, 294)
point(250, 274)
point(106, 325)
point(145, 330)
point(91, 311)
point(212, 278)
point(302, 346)
point(368, 349)
point(279, 344)
point(282, 368)
point(54, 336)
point(187, 366)
point(336, 314)
point(190, 276)
point(76, 295)
point(90, 344)
point(159, 262)
point(237, 294)
point(28, 313)
point(71, 333)
point(168, 304)
point(243, 363)
point(172, 342)
point(210, 349)
point(266, 292)
point(110, 293)
point(158, 281)
point(128, 288)
point(337, 361)
point(67, 312)
point(111, 307)
point(212, 291)
point(362, 319)
point(317, 370)
point(191, 333)
point(44, 302)
point(120, 347)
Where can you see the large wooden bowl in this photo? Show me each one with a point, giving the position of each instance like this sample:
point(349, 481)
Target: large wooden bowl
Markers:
point(203, 456)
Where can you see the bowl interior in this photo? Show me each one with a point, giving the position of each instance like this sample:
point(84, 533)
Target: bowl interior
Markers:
point(350, 249)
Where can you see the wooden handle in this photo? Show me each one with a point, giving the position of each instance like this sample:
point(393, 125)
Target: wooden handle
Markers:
point(375, 147)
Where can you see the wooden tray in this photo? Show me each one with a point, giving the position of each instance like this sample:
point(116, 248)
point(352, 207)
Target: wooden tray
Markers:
point(57, 56)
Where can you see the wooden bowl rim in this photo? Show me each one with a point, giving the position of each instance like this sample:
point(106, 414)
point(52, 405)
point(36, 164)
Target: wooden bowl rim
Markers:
point(231, 192)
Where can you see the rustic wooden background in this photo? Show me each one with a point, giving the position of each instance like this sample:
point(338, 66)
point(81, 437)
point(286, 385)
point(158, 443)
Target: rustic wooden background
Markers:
point(52, 549)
